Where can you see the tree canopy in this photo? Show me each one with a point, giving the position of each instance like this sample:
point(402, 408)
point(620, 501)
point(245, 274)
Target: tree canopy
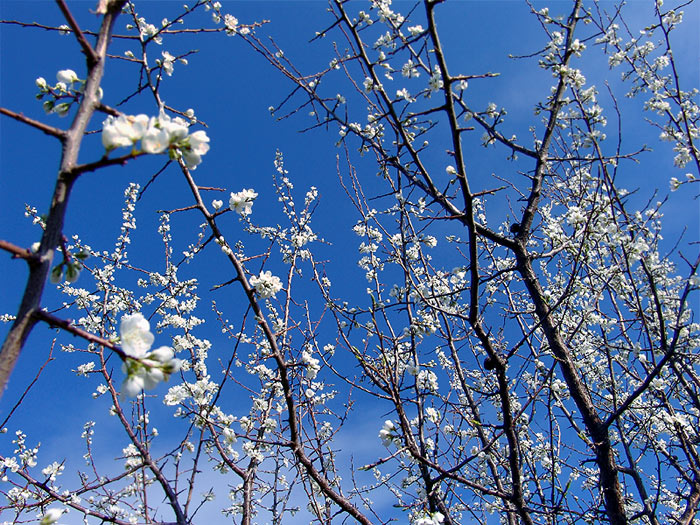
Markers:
point(423, 262)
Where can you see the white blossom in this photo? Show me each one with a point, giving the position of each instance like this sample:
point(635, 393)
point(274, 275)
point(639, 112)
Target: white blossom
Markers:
point(242, 202)
point(67, 76)
point(266, 284)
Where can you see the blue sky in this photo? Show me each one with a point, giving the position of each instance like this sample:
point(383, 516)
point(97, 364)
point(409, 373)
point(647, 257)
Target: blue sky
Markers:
point(231, 88)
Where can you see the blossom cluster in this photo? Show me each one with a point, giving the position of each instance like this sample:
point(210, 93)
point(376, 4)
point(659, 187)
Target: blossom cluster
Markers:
point(143, 369)
point(388, 433)
point(435, 518)
point(242, 202)
point(266, 284)
point(63, 91)
point(157, 135)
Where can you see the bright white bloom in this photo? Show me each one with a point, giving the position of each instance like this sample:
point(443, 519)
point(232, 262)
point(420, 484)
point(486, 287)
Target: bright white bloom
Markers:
point(51, 516)
point(266, 284)
point(124, 130)
point(135, 334)
point(197, 144)
point(52, 470)
point(435, 80)
point(176, 127)
point(403, 93)
point(312, 365)
point(67, 76)
point(152, 369)
point(217, 204)
point(575, 216)
point(409, 70)
point(168, 61)
point(155, 140)
point(436, 518)
point(231, 23)
point(415, 30)
point(41, 83)
point(242, 202)
point(386, 434)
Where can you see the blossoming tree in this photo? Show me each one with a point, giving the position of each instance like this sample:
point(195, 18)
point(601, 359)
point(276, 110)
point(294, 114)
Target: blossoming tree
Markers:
point(522, 338)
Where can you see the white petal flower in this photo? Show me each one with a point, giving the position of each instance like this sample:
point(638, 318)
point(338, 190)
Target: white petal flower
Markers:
point(168, 60)
point(191, 158)
point(133, 385)
point(135, 334)
point(266, 284)
point(386, 434)
point(217, 204)
point(67, 76)
point(155, 140)
point(242, 202)
point(175, 127)
point(162, 354)
point(199, 142)
point(51, 516)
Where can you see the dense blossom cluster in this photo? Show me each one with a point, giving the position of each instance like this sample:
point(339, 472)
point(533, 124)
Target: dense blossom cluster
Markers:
point(266, 284)
point(157, 135)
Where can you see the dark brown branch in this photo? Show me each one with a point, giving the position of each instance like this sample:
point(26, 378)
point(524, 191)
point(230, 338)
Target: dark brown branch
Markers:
point(68, 326)
point(80, 37)
point(49, 130)
point(17, 251)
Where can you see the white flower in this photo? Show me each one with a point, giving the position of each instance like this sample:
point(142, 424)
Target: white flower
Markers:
point(153, 368)
point(67, 76)
point(197, 144)
point(436, 518)
point(312, 365)
point(217, 204)
point(123, 131)
point(266, 284)
point(403, 93)
point(386, 434)
point(133, 385)
point(135, 334)
point(175, 127)
point(436, 80)
point(41, 83)
point(242, 202)
point(155, 140)
point(231, 23)
point(51, 516)
point(409, 70)
point(168, 60)
point(415, 30)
